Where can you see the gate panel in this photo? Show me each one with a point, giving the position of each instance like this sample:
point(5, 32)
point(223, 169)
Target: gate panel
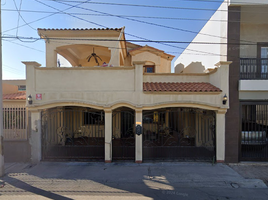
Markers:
point(72, 133)
point(254, 140)
point(123, 147)
point(179, 133)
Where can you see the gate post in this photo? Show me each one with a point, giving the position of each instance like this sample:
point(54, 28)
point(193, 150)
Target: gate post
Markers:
point(220, 136)
point(35, 137)
point(108, 136)
point(138, 138)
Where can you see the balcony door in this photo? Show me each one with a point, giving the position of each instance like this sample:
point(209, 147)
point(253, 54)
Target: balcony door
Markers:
point(264, 62)
point(262, 53)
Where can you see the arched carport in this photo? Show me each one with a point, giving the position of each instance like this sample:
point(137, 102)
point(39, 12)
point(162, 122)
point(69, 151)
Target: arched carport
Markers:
point(73, 133)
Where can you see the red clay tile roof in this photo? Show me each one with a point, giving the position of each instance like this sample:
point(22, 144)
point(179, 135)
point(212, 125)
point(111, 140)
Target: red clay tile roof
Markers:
point(179, 87)
point(15, 96)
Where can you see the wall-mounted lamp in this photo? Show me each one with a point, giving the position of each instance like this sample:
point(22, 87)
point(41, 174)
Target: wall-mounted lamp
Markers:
point(224, 99)
point(30, 99)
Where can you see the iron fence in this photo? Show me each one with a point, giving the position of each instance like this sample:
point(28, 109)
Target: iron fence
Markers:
point(254, 140)
point(179, 134)
point(73, 133)
point(14, 122)
point(123, 140)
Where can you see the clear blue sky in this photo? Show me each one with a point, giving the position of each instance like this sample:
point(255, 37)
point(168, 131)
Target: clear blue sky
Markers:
point(15, 50)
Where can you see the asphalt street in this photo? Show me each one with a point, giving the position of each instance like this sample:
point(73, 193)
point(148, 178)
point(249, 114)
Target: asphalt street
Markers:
point(71, 180)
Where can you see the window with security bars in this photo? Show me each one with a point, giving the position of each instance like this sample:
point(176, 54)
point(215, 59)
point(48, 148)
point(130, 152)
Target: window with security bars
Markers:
point(149, 69)
point(14, 118)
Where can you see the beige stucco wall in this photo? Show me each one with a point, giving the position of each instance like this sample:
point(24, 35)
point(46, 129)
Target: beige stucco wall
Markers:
point(162, 65)
point(254, 28)
point(111, 88)
point(172, 78)
point(14, 103)
point(15, 82)
point(9, 89)
point(84, 79)
point(108, 87)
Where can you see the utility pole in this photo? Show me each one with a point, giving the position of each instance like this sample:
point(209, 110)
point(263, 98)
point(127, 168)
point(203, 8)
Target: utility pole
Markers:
point(2, 167)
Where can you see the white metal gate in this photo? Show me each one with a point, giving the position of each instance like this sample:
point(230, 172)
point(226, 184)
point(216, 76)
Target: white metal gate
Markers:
point(14, 122)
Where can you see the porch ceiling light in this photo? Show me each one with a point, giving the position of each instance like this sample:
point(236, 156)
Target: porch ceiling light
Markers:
point(224, 99)
point(30, 99)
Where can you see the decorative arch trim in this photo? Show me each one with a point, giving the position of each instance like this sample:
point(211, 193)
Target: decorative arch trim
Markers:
point(128, 105)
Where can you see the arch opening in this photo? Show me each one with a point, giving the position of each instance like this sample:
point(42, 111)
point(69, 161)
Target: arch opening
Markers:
point(73, 132)
point(179, 134)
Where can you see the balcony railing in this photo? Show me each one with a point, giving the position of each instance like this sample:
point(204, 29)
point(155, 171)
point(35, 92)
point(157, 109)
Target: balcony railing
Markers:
point(253, 68)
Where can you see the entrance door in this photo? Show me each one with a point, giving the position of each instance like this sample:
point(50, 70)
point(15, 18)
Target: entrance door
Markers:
point(72, 133)
point(123, 147)
point(179, 134)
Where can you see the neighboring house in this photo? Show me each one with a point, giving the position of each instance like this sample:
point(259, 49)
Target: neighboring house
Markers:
point(16, 145)
point(247, 48)
point(120, 101)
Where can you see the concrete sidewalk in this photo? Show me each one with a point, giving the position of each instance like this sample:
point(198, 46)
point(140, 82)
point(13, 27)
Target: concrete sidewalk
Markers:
point(127, 181)
point(252, 170)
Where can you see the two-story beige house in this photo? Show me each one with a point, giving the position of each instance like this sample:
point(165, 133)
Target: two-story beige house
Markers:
point(120, 101)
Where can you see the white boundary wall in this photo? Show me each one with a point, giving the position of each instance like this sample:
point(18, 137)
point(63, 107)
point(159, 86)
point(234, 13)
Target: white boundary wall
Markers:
point(212, 53)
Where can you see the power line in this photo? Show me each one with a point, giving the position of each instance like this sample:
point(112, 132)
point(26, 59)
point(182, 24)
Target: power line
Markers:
point(19, 16)
point(125, 33)
point(132, 16)
point(111, 40)
point(138, 5)
point(41, 18)
point(12, 68)
point(24, 45)
point(163, 26)
point(60, 40)
point(159, 7)
point(120, 48)
point(134, 35)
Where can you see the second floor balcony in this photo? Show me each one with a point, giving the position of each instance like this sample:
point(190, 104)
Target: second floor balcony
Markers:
point(254, 68)
point(107, 87)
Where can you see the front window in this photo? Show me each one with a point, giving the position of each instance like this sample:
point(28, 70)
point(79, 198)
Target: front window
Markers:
point(149, 68)
point(22, 87)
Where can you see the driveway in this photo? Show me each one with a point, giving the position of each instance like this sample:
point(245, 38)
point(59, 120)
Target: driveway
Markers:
point(56, 180)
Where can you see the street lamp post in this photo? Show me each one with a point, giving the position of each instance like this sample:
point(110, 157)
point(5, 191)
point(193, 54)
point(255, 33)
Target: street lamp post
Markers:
point(2, 169)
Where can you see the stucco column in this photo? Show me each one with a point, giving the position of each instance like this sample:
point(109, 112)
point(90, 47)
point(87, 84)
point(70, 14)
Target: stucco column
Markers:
point(108, 136)
point(138, 76)
point(220, 136)
point(35, 137)
point(115, 57)
point(138, 138)
point(221, 79)
point(30, 77)
point(51, 56)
